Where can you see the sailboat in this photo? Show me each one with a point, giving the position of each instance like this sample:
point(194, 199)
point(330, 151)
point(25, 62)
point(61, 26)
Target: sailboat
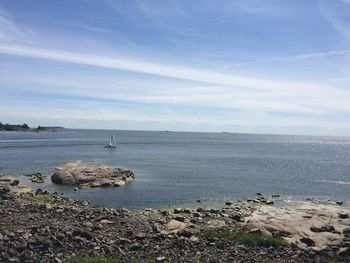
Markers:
point(111, 143)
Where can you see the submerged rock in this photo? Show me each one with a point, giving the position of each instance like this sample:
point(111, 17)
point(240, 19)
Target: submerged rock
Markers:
point(91, 174)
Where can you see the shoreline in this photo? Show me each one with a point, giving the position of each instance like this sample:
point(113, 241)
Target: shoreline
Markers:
point(48, 227)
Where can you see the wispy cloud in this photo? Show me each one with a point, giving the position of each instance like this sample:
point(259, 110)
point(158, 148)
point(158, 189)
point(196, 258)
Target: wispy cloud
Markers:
point(157, 69)
point(309, 56)
point(332, 15)
point(10, 32)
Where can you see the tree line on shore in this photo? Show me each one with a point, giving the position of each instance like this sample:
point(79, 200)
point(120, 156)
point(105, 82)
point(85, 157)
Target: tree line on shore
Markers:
point(25, 127)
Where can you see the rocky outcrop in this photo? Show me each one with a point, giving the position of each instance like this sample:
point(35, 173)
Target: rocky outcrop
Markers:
point(91, 175)
point(48, 227)
point(312, 225)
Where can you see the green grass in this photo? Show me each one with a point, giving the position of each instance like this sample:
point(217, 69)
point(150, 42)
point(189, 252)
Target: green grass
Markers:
point(7, 226)
point(250, 239)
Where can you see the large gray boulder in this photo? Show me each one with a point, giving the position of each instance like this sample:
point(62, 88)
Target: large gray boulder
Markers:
point(90, 174)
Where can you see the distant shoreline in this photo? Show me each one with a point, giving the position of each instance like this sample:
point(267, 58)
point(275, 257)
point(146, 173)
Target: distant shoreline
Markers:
point(25, 128)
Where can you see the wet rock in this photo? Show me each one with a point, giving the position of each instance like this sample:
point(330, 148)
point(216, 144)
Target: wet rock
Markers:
point(37, 178)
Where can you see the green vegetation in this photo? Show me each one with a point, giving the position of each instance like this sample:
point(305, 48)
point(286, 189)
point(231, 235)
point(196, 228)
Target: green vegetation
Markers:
point(14, 127)
point(250, 239)
point(25, 127)
point(7, 226)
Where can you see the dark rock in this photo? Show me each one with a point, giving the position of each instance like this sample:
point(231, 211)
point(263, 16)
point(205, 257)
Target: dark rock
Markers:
point(236, 217)
point(39, 191)
point(308, 241)
point(135, 246)
point(346, 232)
point(82, 233)
point(140, 236)
point(281, 233)
point(344, 251)
point(325, 228)
point(343, 215)
point(123, 241)
point(178, 210)
point(14, 183)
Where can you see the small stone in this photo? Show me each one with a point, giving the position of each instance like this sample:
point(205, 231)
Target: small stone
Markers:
point(57, 260)
point(194, 239)
point(87, 224)
point(39, 191)
point(123, 241)
point(105, 221)
point(228, 203)
point(178, 210)
point(140, 236)
point(160, 259)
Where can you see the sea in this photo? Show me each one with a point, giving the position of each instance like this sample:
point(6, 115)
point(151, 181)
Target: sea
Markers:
point(184, 168)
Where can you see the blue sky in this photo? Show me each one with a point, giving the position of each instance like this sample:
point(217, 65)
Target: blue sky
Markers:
point(257, 66)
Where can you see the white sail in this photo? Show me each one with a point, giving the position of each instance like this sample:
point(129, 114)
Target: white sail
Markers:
point(111, 143)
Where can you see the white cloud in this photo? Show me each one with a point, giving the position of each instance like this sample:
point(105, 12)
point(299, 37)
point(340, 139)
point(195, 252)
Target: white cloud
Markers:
point(10, 32)
point(308, 56)
point(159, 69)
point(220, 91)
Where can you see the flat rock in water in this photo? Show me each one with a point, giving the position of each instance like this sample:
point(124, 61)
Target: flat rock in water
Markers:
point(91, 174)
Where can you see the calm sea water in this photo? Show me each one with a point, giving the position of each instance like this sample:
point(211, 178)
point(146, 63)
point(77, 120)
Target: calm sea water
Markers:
point(174, 168)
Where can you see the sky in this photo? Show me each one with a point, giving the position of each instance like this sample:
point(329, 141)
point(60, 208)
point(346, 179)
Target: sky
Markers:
point(247, 66)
